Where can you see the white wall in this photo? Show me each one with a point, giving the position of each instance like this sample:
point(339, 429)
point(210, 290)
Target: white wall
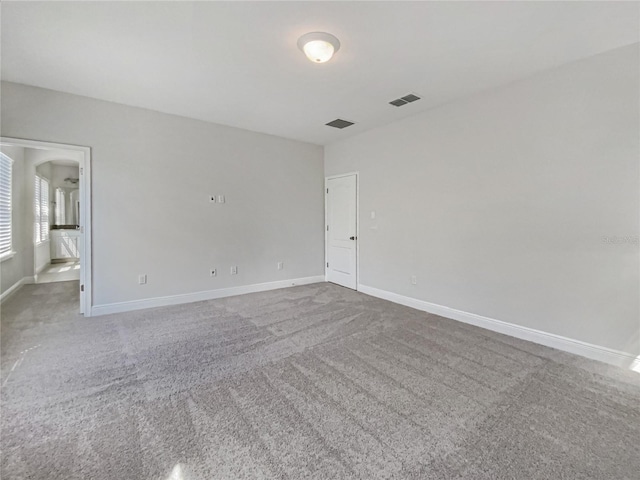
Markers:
point(152, 175)
point(42, 255)
point(499, 203)
point(44, 169)
point(12, 269)
point(60, 172)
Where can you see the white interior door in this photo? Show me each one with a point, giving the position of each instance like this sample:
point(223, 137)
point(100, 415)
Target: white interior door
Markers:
point(342, 230)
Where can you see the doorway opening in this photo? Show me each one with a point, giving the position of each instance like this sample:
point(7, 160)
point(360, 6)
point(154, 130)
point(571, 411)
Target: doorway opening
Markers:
point(51, 213)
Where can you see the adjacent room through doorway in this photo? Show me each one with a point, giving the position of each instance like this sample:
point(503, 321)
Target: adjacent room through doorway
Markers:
point(57, 224)
point(45, 225)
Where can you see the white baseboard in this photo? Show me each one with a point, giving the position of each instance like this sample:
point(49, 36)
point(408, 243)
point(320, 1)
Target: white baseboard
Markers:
point(106, 309)
point(12, 289)
point(577, 347)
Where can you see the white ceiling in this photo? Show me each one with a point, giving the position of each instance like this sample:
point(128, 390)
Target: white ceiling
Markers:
point(65, 163)
point(55, 156)
point(238, 64)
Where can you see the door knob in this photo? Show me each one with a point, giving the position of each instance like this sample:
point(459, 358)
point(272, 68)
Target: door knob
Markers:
point(352, 238)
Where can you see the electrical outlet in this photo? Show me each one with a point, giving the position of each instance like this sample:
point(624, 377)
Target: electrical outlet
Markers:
point(414, 280)
point(280, 265)
point(142, 279)
point(234, 270)
point(213, 272)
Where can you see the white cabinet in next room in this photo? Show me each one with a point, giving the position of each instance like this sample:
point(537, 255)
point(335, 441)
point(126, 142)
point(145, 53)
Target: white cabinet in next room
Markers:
point(64, 244)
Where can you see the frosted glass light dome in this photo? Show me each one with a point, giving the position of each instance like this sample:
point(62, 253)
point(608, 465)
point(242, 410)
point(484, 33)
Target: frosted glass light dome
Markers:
point(319, 47)
point(318, 51)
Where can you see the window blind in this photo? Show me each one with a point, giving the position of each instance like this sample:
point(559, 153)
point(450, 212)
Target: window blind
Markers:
point(36, 208)
point(41, 209)
point(60, 207)
point(6, 173)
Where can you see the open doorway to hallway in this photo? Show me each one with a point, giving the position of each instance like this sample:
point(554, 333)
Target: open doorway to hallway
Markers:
point(46, 217)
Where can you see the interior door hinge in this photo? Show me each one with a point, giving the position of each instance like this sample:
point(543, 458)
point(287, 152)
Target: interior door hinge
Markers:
point(82, 288)
point(327, 228)
point(81, 171)
point(327, 190)
point(327, 264)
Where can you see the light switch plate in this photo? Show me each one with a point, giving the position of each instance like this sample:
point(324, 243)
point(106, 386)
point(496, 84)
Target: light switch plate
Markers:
point(220, 198)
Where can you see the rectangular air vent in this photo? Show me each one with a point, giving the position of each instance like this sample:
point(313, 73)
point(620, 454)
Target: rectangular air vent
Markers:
point(410, 98)
point(339, 123)
point(398, 102)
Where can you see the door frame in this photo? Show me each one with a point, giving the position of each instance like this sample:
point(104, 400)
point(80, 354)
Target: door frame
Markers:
point(326, 237)
point(86, 271)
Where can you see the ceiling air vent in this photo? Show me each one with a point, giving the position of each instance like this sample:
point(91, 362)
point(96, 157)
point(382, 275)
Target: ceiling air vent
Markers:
point(398, 102)
point(339, 123)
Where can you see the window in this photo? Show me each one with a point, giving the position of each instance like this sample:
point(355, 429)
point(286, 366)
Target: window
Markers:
point(60, 207)
point(6, 177)
point(42, 209)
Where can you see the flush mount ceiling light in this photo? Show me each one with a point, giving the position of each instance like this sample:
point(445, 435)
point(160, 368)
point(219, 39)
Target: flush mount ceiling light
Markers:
point(319, 47)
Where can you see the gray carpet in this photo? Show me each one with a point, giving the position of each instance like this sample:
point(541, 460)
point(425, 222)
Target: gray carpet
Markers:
point(315, 382)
